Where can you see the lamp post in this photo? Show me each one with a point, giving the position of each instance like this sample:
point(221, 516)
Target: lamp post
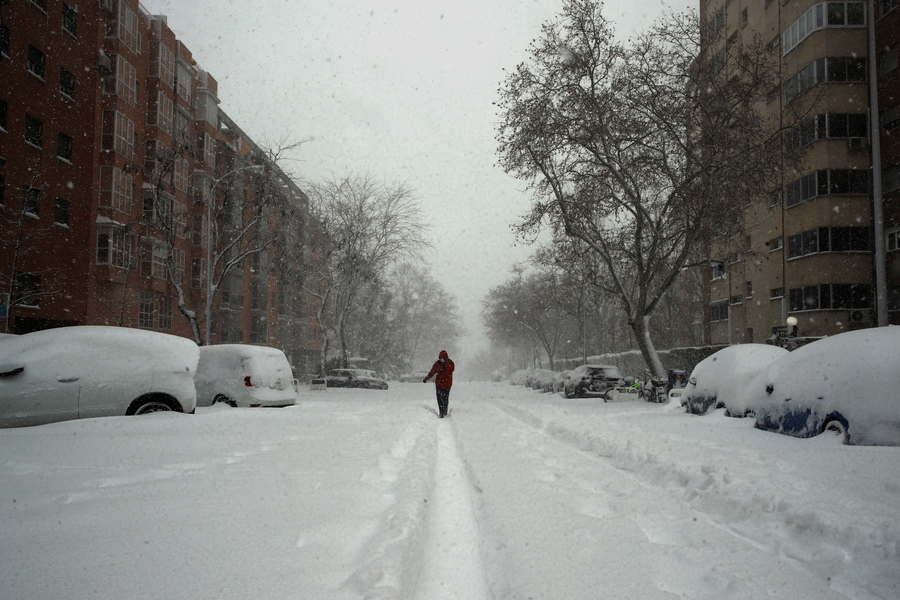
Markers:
point(791, 323)
point(209, 245)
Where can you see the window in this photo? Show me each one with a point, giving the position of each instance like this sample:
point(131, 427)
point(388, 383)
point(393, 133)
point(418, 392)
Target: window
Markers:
point(2, 190)
point(830, 125)
point(891, 178)
point(164, 310)
point(715, 24)
point(157, 208)
point(128, 27)
point(116, 189)
point(41, 4)
point(198, 273)
point(719, 270)
point(113, 245)
point(181, 123)
point(61, 212)
point(34, 131)
point(718, 311)
point(183, 81)
point(830, 69)
point(259, 330)
point(69, 19)
point(64, 147)
point(829, 239)
point(31, 201)
point(889, 59)
point(830, 181)
point(744, 18)
point(162, 64)
point(776, 293)
point(37, 62)
point(892, 240)
point(775, 244)
point(66, 83)
point(749, 293)
point(126, 81)
point(830, 296)
point(4, 112)
point(888, 5)
point(145, 308)
point(28, 289)
point(161, 114)
point(820, 16)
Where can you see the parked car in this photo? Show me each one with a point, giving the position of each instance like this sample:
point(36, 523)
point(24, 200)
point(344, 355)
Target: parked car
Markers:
point(244, 375)
point(595, 381)
point(848, 383)
point(415, 376)
point(541, 380)
point(560, 382)
point(355, 378)
point(519, 377)
point(720, 380)
point(94, 371)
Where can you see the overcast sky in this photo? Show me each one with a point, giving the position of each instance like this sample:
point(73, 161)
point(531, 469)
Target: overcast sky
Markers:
point(399, 89)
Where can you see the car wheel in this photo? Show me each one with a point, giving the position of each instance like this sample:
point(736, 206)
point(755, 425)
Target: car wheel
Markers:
point(837, 426)
point(151, 404)
point(223, 399)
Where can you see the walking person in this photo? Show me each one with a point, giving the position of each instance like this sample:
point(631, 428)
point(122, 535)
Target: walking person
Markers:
point(442, 371)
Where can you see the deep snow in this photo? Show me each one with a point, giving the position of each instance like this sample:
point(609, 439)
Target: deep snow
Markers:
point(367, 494)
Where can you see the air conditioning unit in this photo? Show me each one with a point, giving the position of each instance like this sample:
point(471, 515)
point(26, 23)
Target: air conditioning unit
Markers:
point(104, 63)
point(857, 144)
point(861, 316)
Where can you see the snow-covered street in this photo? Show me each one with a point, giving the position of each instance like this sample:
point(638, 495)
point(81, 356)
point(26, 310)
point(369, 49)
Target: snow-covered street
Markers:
point(367, 494)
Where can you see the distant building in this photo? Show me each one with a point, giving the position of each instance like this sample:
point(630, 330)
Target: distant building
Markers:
point(810, 248)
point(113, 151)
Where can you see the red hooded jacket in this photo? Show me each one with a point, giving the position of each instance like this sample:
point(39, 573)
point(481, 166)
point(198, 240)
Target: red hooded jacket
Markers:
point(443, 370)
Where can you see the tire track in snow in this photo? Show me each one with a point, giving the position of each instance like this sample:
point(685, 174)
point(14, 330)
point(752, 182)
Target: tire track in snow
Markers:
point(452, 566)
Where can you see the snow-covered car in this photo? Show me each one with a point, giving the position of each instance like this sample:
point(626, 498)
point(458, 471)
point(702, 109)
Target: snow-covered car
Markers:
point(496, 376)
point(560, 382)
point(721, 379)
point(415, 376)
point(519, 377)
point(355, 378)
point(595, 381)
point(94, 371)
point(244, 375)
point(848, 383)
point(541, 380)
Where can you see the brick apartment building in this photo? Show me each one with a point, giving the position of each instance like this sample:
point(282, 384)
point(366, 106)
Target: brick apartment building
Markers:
point(810, 252)
point(114, 154)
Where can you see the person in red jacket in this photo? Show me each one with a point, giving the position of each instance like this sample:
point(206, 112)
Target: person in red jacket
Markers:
point(442, 371)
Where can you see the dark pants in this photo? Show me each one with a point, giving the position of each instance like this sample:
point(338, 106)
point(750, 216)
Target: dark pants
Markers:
point(443, 399)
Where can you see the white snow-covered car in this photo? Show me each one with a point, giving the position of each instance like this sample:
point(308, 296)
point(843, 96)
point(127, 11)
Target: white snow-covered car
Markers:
point(848, 383)
point(94, 371)
point(244, 375)
point(721, 379)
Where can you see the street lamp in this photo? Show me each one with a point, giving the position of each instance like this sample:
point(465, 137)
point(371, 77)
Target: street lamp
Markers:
point(209, 244)
point(792, 326)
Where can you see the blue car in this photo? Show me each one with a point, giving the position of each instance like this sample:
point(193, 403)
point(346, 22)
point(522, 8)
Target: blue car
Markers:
point(848, 384)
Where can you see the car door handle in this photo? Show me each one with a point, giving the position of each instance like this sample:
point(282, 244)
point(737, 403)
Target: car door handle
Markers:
point(67, 379)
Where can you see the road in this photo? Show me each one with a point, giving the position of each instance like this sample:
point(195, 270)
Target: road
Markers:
point(367, 494)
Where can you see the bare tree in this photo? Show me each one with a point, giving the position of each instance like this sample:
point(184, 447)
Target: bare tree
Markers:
point(643, 151)
point(529, 307)
point(361, 228)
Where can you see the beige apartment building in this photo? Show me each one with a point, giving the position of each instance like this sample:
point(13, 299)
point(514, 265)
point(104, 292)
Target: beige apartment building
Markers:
point(123, 185)
point(810, 249)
